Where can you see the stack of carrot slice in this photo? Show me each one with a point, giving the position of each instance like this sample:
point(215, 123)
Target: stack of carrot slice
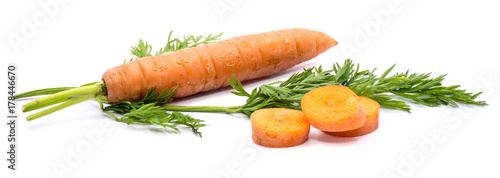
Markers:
point(334, 109)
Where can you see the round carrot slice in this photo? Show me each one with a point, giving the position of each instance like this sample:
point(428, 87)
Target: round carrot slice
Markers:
point(372, 110)
point(279, 127)
point(333, 108)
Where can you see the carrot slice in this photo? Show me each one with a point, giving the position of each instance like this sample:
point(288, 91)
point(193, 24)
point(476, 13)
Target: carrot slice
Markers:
point(279, 127)
point(333, 108)
point(372, 110)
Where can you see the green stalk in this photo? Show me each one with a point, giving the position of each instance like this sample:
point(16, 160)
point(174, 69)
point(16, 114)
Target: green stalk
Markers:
point(66, 104)
point(56, 101)
point(46, 91)
point(75, 92)
point(69, 97)
point(230, 109)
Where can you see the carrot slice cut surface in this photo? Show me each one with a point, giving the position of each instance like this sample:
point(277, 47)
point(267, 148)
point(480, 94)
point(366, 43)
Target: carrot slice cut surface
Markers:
point(279, 127)
point(372, 110)
point(333, 108)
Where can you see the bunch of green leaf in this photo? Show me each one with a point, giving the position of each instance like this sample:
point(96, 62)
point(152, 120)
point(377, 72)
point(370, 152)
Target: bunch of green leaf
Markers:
point(390, 91)
point(144, 49)
point(149, 111)
point(418, 88)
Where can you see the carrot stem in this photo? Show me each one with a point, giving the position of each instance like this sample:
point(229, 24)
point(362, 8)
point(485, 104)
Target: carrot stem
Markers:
point(69, 97)
point(75, 92)
point(56, 101)
point(46, 91)
point(66, 104)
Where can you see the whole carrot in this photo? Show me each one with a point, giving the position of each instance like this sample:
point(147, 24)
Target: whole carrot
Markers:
point(208, 67)
point(192, 70)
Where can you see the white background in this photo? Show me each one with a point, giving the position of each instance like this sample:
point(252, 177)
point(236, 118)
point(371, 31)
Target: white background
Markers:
point(76, 41)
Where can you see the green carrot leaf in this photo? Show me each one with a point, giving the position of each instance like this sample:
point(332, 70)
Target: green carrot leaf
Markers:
point(391, 91)
point(144, 49)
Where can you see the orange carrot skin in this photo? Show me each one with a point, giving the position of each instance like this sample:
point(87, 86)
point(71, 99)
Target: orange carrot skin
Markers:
point(333, 108)
point(279, 127)
point(372, 109)
point(208, 67)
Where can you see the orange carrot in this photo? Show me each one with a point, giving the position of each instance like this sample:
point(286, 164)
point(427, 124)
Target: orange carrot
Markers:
point(208, 67)
point(372, 110)
point(279, 127)
point(333, 108)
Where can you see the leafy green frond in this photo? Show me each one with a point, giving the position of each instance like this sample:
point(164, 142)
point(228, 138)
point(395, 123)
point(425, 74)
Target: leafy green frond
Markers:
point(391, 91)
point(144, 49)
point(149, 111)
point(155, 115)
point(240, 91)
